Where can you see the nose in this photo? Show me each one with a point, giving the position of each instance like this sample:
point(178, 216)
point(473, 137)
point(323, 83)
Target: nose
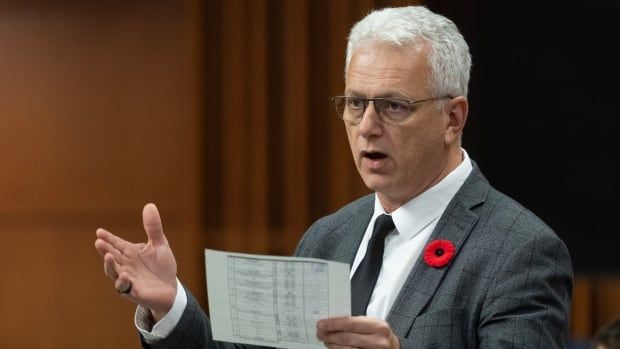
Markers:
point(371, 124)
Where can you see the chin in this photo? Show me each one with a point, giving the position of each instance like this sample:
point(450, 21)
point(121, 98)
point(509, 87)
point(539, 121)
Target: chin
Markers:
point(375, 182)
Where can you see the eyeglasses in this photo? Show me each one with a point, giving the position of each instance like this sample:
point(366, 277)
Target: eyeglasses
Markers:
point(391, 110)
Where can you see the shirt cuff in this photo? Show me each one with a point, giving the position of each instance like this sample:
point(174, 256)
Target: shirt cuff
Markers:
point(144, 320)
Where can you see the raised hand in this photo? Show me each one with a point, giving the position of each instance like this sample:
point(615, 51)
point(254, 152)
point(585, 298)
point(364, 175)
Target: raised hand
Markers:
point(144, 273)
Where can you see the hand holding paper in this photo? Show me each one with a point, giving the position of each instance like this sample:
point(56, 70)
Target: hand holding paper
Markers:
point(274, 301)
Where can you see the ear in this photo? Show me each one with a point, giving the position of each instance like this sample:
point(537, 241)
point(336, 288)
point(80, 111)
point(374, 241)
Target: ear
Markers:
point(457, 109)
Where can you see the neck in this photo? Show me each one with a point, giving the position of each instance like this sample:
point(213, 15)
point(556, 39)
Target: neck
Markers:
point(392, 203)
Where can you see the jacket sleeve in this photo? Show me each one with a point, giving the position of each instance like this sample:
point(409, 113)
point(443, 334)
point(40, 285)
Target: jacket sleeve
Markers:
point(192, 332)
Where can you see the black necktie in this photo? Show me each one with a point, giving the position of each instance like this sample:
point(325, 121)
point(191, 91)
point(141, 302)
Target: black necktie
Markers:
point(365, 277)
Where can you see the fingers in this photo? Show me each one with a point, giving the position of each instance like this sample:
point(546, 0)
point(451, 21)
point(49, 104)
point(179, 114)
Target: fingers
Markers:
point(110, 266)
point(116, 242)
point(357, 324)
point(105, 248)
point(123, 284)
point(112, 256)
point(152, 225)
point(358, 332)
point(143, 273)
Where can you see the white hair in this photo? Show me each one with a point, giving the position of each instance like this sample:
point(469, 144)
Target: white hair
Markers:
point(448, 58)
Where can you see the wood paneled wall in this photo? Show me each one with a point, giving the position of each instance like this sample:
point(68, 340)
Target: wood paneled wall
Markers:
point(280, 154)
point(217, 111)
point(100, 113)
point(596, 301)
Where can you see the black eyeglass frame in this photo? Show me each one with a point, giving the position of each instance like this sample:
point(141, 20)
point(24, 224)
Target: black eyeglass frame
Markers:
point(343, 99)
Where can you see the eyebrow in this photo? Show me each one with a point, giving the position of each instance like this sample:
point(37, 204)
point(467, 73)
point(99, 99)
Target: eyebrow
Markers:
point(390, 94)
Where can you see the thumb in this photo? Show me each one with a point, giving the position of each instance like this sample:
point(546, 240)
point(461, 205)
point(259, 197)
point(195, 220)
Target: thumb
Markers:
point(152, 225)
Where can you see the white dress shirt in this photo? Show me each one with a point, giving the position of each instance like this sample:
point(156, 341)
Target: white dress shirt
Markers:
point(414, 222)
point(163, 327)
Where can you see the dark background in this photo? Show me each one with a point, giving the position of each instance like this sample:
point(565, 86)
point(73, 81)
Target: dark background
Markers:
point(544, 113)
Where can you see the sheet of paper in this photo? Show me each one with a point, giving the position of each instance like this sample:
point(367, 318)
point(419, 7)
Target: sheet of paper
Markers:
point(273, 301)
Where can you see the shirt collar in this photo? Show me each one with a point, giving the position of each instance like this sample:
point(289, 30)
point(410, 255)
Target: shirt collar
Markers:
point(425, 208)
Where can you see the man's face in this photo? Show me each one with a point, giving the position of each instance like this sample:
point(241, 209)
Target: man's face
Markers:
point(398, 162)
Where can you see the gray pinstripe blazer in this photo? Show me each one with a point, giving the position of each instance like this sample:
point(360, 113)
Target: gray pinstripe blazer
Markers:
point(508, 286)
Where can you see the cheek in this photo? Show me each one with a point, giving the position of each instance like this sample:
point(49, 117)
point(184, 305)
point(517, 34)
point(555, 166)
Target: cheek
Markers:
point(426, 136)
point(351, 136)
point(414, 148)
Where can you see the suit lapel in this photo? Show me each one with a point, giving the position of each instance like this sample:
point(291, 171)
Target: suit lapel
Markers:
point(454, 225)
point(348, 236)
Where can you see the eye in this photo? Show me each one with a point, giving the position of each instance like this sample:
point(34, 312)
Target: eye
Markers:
point(355, 103)
point(396, 106)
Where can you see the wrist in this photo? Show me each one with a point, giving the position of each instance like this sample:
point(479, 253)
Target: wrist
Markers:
point(158, 315)
point(159, 312)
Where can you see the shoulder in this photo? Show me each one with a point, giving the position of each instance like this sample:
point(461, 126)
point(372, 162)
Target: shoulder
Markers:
point(356, 208)
point(504, 213)
point(503, 226)
point(517, 237)
point(497, 211)
point(331, 227)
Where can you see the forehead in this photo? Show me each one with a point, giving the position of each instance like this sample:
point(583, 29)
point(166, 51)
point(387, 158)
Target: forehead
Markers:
point(381, 69)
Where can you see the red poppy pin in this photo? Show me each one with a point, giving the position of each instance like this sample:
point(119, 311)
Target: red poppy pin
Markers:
point(439, 253)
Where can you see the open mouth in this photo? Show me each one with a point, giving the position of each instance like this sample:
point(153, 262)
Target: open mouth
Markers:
point(373, 155)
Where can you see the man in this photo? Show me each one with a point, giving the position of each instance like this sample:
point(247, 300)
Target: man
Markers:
point(459, 264)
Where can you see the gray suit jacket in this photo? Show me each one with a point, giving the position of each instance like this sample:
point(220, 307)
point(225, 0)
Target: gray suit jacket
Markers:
point(508, 286)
